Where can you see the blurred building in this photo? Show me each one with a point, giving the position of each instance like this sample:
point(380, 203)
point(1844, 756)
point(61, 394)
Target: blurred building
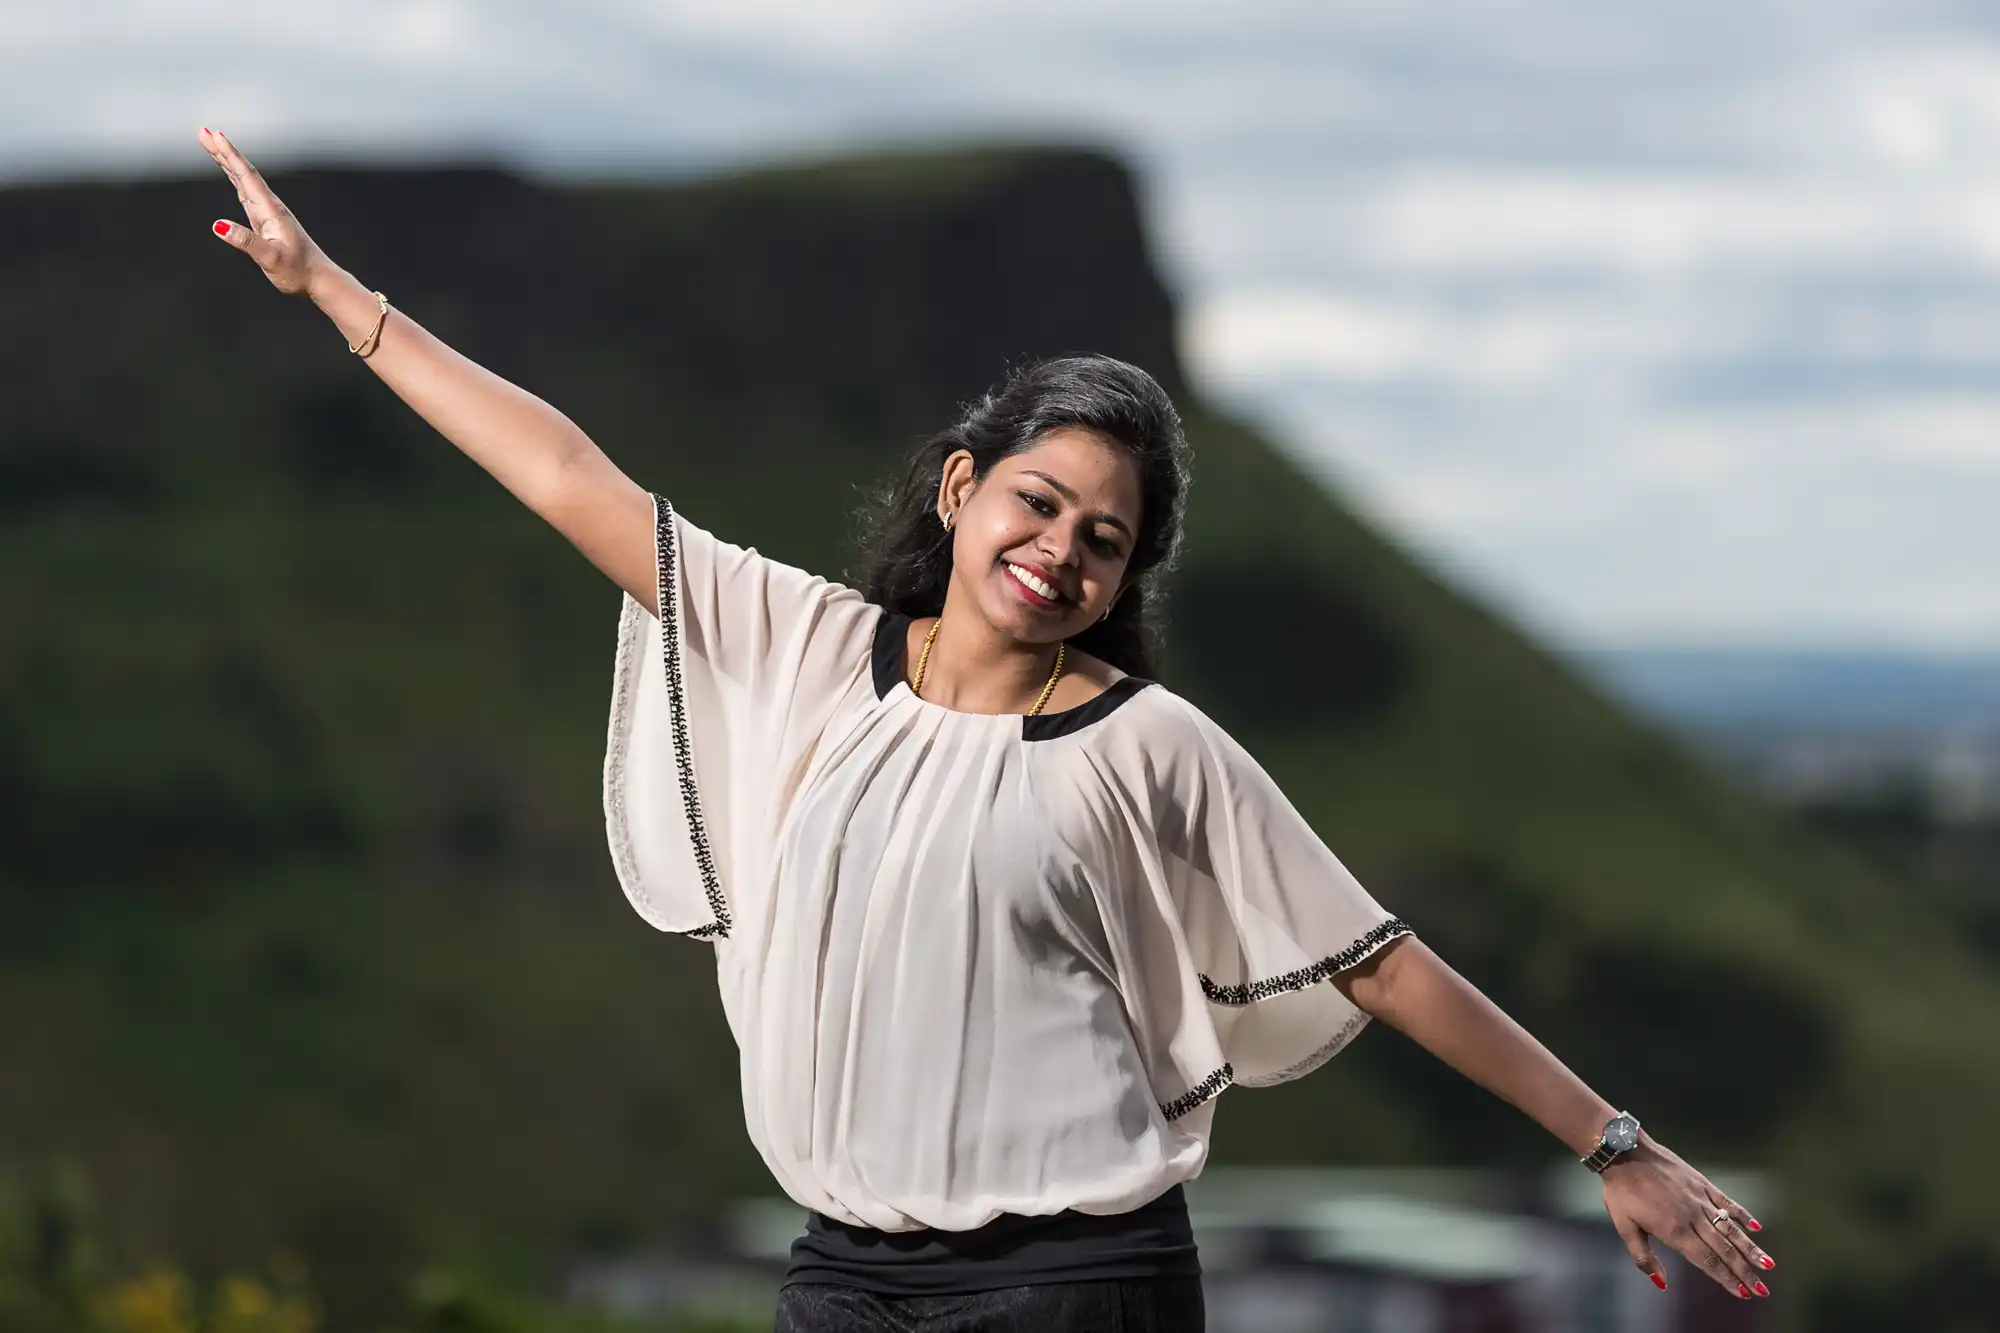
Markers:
point(1303, 1251)
point(1908, 731)
point(1947, 775)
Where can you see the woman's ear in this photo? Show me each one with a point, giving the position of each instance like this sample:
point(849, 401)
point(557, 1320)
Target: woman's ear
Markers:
point(957, 482)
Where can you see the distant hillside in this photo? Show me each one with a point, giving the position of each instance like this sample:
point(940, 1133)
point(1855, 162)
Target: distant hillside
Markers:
point(310, 932)
point(1823, 691)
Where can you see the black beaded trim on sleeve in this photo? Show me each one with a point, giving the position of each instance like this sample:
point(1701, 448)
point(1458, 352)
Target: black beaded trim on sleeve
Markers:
point(668, 548)
point(1205, 1090)
point(1327, 1050)
point(1212, 1086)
point(1287, 982)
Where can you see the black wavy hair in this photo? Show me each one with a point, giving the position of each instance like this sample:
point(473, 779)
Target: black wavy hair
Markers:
point(907, 553)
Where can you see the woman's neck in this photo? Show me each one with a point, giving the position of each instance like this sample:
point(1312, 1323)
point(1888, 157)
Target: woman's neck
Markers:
point(975, 668)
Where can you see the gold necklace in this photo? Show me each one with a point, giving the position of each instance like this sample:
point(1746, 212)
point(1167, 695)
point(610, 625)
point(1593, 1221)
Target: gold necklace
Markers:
point(917, 685)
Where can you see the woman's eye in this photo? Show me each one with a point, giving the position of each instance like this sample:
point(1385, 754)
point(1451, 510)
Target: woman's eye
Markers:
point(1042, 505)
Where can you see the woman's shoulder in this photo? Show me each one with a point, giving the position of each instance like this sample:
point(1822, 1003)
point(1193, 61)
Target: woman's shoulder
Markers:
point(1169, 719)
point(1084, 678)
point(1148, 716)
point(1087, 678)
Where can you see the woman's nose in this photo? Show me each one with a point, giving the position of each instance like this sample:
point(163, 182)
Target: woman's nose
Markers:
point(1060, 543)
point(1056, 549)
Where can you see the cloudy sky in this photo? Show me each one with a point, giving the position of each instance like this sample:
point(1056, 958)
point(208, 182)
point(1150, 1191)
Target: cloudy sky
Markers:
point(1673, 323)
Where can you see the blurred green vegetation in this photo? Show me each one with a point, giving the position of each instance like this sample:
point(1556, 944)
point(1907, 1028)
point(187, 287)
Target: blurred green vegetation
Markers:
point(56, 1277)
point(311, 940)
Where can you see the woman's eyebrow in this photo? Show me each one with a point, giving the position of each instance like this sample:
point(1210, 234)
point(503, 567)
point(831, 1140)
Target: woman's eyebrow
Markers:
point(1071, 496)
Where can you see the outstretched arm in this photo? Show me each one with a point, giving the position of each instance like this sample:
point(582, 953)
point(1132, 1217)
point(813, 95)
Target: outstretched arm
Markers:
point(530, 448)
point(1648, 1191)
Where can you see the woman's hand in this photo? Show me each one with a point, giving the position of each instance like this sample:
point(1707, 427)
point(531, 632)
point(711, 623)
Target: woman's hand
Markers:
point(274, 237)
point(1651, 1192)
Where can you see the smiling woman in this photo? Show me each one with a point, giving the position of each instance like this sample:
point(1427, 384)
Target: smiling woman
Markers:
point(996, 917)
point(1044, 515)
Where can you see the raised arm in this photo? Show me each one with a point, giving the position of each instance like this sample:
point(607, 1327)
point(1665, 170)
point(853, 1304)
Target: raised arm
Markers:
point(1648, 1191)
point(530, 448)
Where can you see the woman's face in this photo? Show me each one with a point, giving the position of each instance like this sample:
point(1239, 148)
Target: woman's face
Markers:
point(1041, 543)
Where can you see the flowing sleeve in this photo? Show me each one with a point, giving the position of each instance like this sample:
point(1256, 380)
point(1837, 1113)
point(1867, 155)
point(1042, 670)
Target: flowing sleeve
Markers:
point(1249, 917)
point(719, 706)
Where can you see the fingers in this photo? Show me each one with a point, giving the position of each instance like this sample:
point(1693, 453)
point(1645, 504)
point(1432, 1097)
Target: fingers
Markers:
point(1735, 1229)
point(259, 204)
point(1641, 1250)
point(1703, 1246)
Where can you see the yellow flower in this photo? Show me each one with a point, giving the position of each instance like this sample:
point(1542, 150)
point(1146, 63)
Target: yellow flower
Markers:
point(246, 1305)
point(158, 1301)
point(163, 1301)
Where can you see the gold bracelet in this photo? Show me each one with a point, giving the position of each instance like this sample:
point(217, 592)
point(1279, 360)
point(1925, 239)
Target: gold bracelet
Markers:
point(367, 346)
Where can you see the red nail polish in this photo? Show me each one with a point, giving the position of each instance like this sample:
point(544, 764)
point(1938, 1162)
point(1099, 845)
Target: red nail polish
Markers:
point(1766, 1261)
point(1658, 1281)
point(1743, 1291)
point(222, 229)
point(1755, 1225)
point(1763, 1290)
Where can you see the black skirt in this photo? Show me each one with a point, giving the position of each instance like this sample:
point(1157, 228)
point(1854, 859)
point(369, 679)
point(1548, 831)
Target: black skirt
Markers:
point(1136, 1270)
point(1114, 1305)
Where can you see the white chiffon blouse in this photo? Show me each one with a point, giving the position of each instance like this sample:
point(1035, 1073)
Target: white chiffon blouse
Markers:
point(974, 964)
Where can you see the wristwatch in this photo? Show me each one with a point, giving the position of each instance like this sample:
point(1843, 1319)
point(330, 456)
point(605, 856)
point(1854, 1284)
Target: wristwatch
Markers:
point(1620, 1136)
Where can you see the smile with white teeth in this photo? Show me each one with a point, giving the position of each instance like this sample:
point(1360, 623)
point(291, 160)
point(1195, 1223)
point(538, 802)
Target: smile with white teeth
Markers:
point(1041, 586)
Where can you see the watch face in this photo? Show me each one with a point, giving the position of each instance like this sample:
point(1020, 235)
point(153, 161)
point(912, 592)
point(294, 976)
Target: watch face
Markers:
point(1622, 1134)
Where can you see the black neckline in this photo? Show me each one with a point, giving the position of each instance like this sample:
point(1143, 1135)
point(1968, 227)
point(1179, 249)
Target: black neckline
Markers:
point(892, 635)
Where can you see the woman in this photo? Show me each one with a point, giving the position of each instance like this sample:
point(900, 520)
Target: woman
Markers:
point(996, 917)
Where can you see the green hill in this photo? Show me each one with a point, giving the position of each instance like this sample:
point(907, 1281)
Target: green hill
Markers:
point(310, 934)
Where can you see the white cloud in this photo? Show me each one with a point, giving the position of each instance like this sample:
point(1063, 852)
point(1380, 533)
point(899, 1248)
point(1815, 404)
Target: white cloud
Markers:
point(1470, 219)
point(1527, 341)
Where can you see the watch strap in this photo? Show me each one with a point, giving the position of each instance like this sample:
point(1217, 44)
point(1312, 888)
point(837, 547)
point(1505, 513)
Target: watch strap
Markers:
point(1601, 1156)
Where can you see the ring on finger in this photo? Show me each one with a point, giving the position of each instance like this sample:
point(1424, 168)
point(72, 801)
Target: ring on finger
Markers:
point(1721, 1216)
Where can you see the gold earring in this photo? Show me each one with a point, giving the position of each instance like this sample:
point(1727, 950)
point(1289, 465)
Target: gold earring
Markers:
point(947, 519)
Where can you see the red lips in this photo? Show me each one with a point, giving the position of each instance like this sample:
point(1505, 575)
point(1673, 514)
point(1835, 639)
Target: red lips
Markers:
point(1041, 573)
point(1029, 592)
